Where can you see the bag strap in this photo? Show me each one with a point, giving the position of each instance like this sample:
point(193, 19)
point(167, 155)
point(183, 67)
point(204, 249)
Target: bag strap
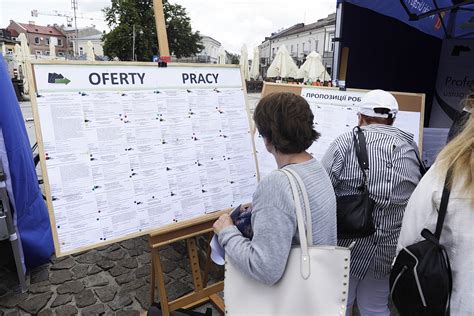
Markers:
point(305, 262)
point(443, 205)
point(309, 222)
point(360, 145)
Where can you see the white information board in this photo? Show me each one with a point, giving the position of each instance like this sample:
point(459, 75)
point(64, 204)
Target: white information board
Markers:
point(128, 149)
point(335, 112)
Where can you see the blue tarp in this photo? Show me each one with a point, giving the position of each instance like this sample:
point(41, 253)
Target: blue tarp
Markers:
point(463, 22)
point(31, 212)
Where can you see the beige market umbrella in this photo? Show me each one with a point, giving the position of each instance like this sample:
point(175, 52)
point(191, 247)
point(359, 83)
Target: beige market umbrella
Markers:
point(52, 50)
point(283, 65)
point(221, 56)
point(313, 68)
point(254, 69)
point(244, 62)
point(25, 57)
point(90, 51)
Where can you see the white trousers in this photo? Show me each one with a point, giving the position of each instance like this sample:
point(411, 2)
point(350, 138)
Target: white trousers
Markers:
point(371, 295)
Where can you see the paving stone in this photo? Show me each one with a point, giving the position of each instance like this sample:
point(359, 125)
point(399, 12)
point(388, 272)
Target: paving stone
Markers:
point(95, 280)
point(118, 270)
point(61, 300)
point(129, 244)
point(143, 297)
point(144, 259)
point(93, 270)
point(171, 254)
point(135, 284)
point(12, 299)
point(178, 289)
point(39, 275)
point(106, 264)
point(79, 271)
point(97, 309)
point(3, 290)
point(168, 265)
point(135, 252)
point(55, 259)
point(85, 298)
point(66, 310)
point(39, 288)
point(70, 287)
point(14, 313)
point(60, 276)
point(90, 257)
point(46, 312)
point(121, 300)
point(124, 278)
point(116, 255)
point(68, 263)
point(177, 273)
point(130, 263)
point(143, 271)
point(34, 304)
point(127, 313)
point(106, 293)
point(109, 248)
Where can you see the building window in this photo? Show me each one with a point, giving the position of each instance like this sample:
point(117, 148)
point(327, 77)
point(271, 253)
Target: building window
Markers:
point(316, 45)
point(331, 42)
point(292, 48)
point(14, 39)
point(9, 51)
point(37, 40)
point(47, 41)
point(38, 52)
point(60, 42)
point(60, 54)
point(303, 48)
point(81, 51)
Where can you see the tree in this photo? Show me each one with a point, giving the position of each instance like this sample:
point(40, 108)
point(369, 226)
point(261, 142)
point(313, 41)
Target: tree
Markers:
point(125, 16)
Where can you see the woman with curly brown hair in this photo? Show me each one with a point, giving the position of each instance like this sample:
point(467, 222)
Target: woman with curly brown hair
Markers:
point(285, 121)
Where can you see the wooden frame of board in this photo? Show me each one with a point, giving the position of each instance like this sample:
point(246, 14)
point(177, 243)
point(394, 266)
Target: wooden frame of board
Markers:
point(411, 102)
point(184, 230)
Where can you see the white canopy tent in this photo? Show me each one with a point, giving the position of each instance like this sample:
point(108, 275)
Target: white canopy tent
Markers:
point(283, 65)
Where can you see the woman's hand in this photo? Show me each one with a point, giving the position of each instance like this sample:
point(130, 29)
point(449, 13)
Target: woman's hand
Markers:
point(222, 222)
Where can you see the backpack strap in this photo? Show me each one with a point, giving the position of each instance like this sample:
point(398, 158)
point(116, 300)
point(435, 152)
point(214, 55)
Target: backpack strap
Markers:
point(444, 204)
point(360, 145)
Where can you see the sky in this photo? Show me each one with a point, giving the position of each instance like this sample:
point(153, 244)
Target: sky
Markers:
point(231, 22)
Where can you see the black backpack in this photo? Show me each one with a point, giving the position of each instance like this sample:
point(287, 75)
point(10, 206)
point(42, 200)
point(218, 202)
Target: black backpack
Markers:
point(421, 280)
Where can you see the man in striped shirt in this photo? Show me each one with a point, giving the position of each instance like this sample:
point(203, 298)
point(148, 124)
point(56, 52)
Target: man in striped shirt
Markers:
point(392, 176)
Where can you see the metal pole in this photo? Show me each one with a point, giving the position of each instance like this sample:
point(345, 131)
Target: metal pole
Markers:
point(74, 7)
point(15, 242)
point(133, 42)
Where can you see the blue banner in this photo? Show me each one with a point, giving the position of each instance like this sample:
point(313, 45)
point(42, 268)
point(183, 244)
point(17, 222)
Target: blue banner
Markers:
point(463, 20)
point(31, 212)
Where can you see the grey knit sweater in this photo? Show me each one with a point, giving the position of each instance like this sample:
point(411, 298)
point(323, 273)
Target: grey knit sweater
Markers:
point(274, 222)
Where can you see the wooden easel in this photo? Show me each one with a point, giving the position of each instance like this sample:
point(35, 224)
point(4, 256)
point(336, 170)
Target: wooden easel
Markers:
point(202, 293)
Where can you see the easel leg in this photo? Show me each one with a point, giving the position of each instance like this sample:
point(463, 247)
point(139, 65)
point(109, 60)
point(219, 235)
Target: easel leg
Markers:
point(194, 260)
point(161, 283)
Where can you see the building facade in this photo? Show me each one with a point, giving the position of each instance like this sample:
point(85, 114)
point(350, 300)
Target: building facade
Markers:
point(84, 34)
point(7, 42)
point(39, 37)
point(209, 54)
point(300, 40)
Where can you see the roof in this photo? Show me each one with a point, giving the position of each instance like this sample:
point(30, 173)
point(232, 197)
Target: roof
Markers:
point(301, 27)
point(38, 29)
point(14, 33)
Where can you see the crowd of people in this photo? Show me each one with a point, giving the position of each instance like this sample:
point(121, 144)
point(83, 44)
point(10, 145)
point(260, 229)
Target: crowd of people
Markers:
point(405, 201)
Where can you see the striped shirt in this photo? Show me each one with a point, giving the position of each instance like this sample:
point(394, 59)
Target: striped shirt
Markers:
point(392, 176)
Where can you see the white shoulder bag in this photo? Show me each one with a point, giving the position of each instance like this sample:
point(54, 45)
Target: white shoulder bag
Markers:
point(315, 281)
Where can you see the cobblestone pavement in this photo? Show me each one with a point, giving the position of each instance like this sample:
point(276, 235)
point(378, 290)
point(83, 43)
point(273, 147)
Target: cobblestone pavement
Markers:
point(110, 280)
